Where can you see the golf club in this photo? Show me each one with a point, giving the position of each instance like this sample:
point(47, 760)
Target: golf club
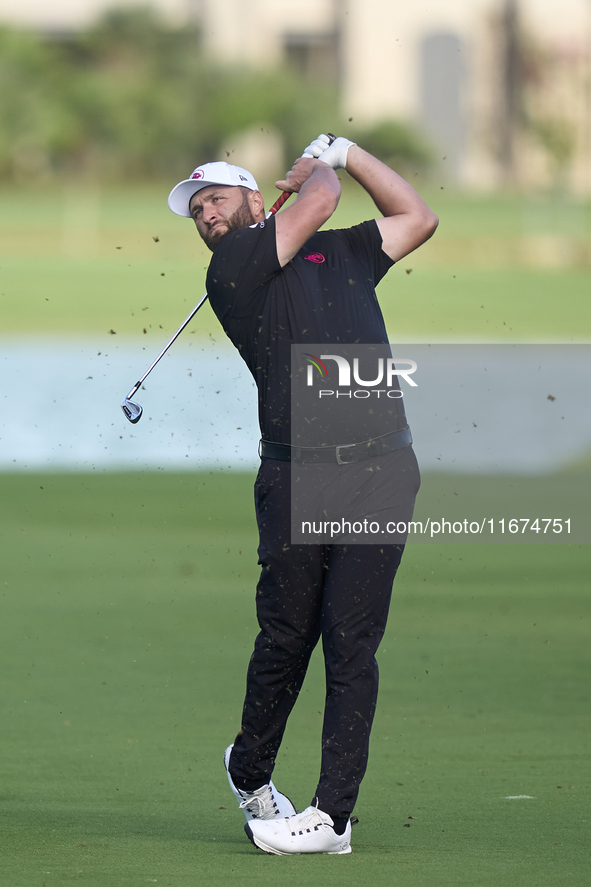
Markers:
point(133, 411)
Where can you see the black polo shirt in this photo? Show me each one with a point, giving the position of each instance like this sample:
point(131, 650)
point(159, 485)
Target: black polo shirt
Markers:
point(326, 293)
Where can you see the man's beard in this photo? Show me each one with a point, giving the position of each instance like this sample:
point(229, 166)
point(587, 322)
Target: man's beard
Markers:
point(240, 218)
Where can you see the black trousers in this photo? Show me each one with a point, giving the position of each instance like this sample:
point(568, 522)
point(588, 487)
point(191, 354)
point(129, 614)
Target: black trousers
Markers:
point(340, 593)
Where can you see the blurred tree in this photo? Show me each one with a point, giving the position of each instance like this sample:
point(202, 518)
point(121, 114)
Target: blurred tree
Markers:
point(133, 97)
point(126, 95)
point(396, 144)
point(233, 100)
point(35, 124)
point(558, 138)
point(159, 104)
point(551, 91)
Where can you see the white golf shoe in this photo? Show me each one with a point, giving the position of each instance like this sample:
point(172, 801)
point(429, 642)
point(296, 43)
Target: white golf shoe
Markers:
point(310, 831)
point(266, 803)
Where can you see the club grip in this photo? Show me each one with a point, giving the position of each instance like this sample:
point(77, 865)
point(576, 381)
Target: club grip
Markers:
point(287, 194)
point(279, 202)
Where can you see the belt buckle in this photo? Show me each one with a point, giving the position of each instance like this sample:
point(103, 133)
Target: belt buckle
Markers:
point(338, 454)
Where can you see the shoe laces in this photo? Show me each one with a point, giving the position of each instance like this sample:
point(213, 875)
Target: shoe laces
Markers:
point(260, 802)
point(310, 819)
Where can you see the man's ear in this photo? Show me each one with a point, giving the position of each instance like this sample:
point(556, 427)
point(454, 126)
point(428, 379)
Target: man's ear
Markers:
point(257, 205)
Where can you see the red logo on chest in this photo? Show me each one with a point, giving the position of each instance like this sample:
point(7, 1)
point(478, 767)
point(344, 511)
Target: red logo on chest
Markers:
point(318, 258)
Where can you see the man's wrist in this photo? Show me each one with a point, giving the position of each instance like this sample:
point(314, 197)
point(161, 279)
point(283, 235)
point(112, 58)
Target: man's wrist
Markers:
point(352, 151)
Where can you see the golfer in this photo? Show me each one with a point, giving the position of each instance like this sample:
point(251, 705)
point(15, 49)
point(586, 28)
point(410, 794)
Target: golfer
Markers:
point(273, 283)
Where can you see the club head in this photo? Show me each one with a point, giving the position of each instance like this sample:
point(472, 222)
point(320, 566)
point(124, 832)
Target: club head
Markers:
point(133, 411)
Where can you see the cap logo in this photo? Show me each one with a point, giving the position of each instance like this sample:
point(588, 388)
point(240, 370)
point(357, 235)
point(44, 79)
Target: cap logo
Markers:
point(242, 178)
point(198, 174)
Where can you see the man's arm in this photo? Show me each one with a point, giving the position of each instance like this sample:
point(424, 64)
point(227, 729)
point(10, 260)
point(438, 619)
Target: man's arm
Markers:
point(408, 222)
point(318, 190)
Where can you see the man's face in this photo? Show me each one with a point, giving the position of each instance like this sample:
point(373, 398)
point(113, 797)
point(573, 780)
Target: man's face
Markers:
point(219, 209)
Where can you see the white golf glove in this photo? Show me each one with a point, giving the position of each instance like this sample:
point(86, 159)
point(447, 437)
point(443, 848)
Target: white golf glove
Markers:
point(334, 155)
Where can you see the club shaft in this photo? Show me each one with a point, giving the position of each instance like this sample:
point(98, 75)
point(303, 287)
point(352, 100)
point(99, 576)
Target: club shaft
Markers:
point(276, 206)
point(173, 338)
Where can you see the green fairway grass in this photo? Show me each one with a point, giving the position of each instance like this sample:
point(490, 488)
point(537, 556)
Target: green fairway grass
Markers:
point(127, 621)
point(81, 259)
point(50, 296)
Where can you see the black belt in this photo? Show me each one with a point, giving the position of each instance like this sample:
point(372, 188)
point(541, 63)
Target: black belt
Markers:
point(342, 455)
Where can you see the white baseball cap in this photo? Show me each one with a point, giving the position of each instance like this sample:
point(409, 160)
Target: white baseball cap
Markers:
point(217, 173)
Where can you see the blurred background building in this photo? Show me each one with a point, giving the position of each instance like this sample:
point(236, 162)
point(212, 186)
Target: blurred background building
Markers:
point(501, 89)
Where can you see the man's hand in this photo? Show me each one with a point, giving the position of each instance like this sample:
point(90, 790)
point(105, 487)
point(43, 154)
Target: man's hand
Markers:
point(318, 190)
point(298, 174)
point(333, 154)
